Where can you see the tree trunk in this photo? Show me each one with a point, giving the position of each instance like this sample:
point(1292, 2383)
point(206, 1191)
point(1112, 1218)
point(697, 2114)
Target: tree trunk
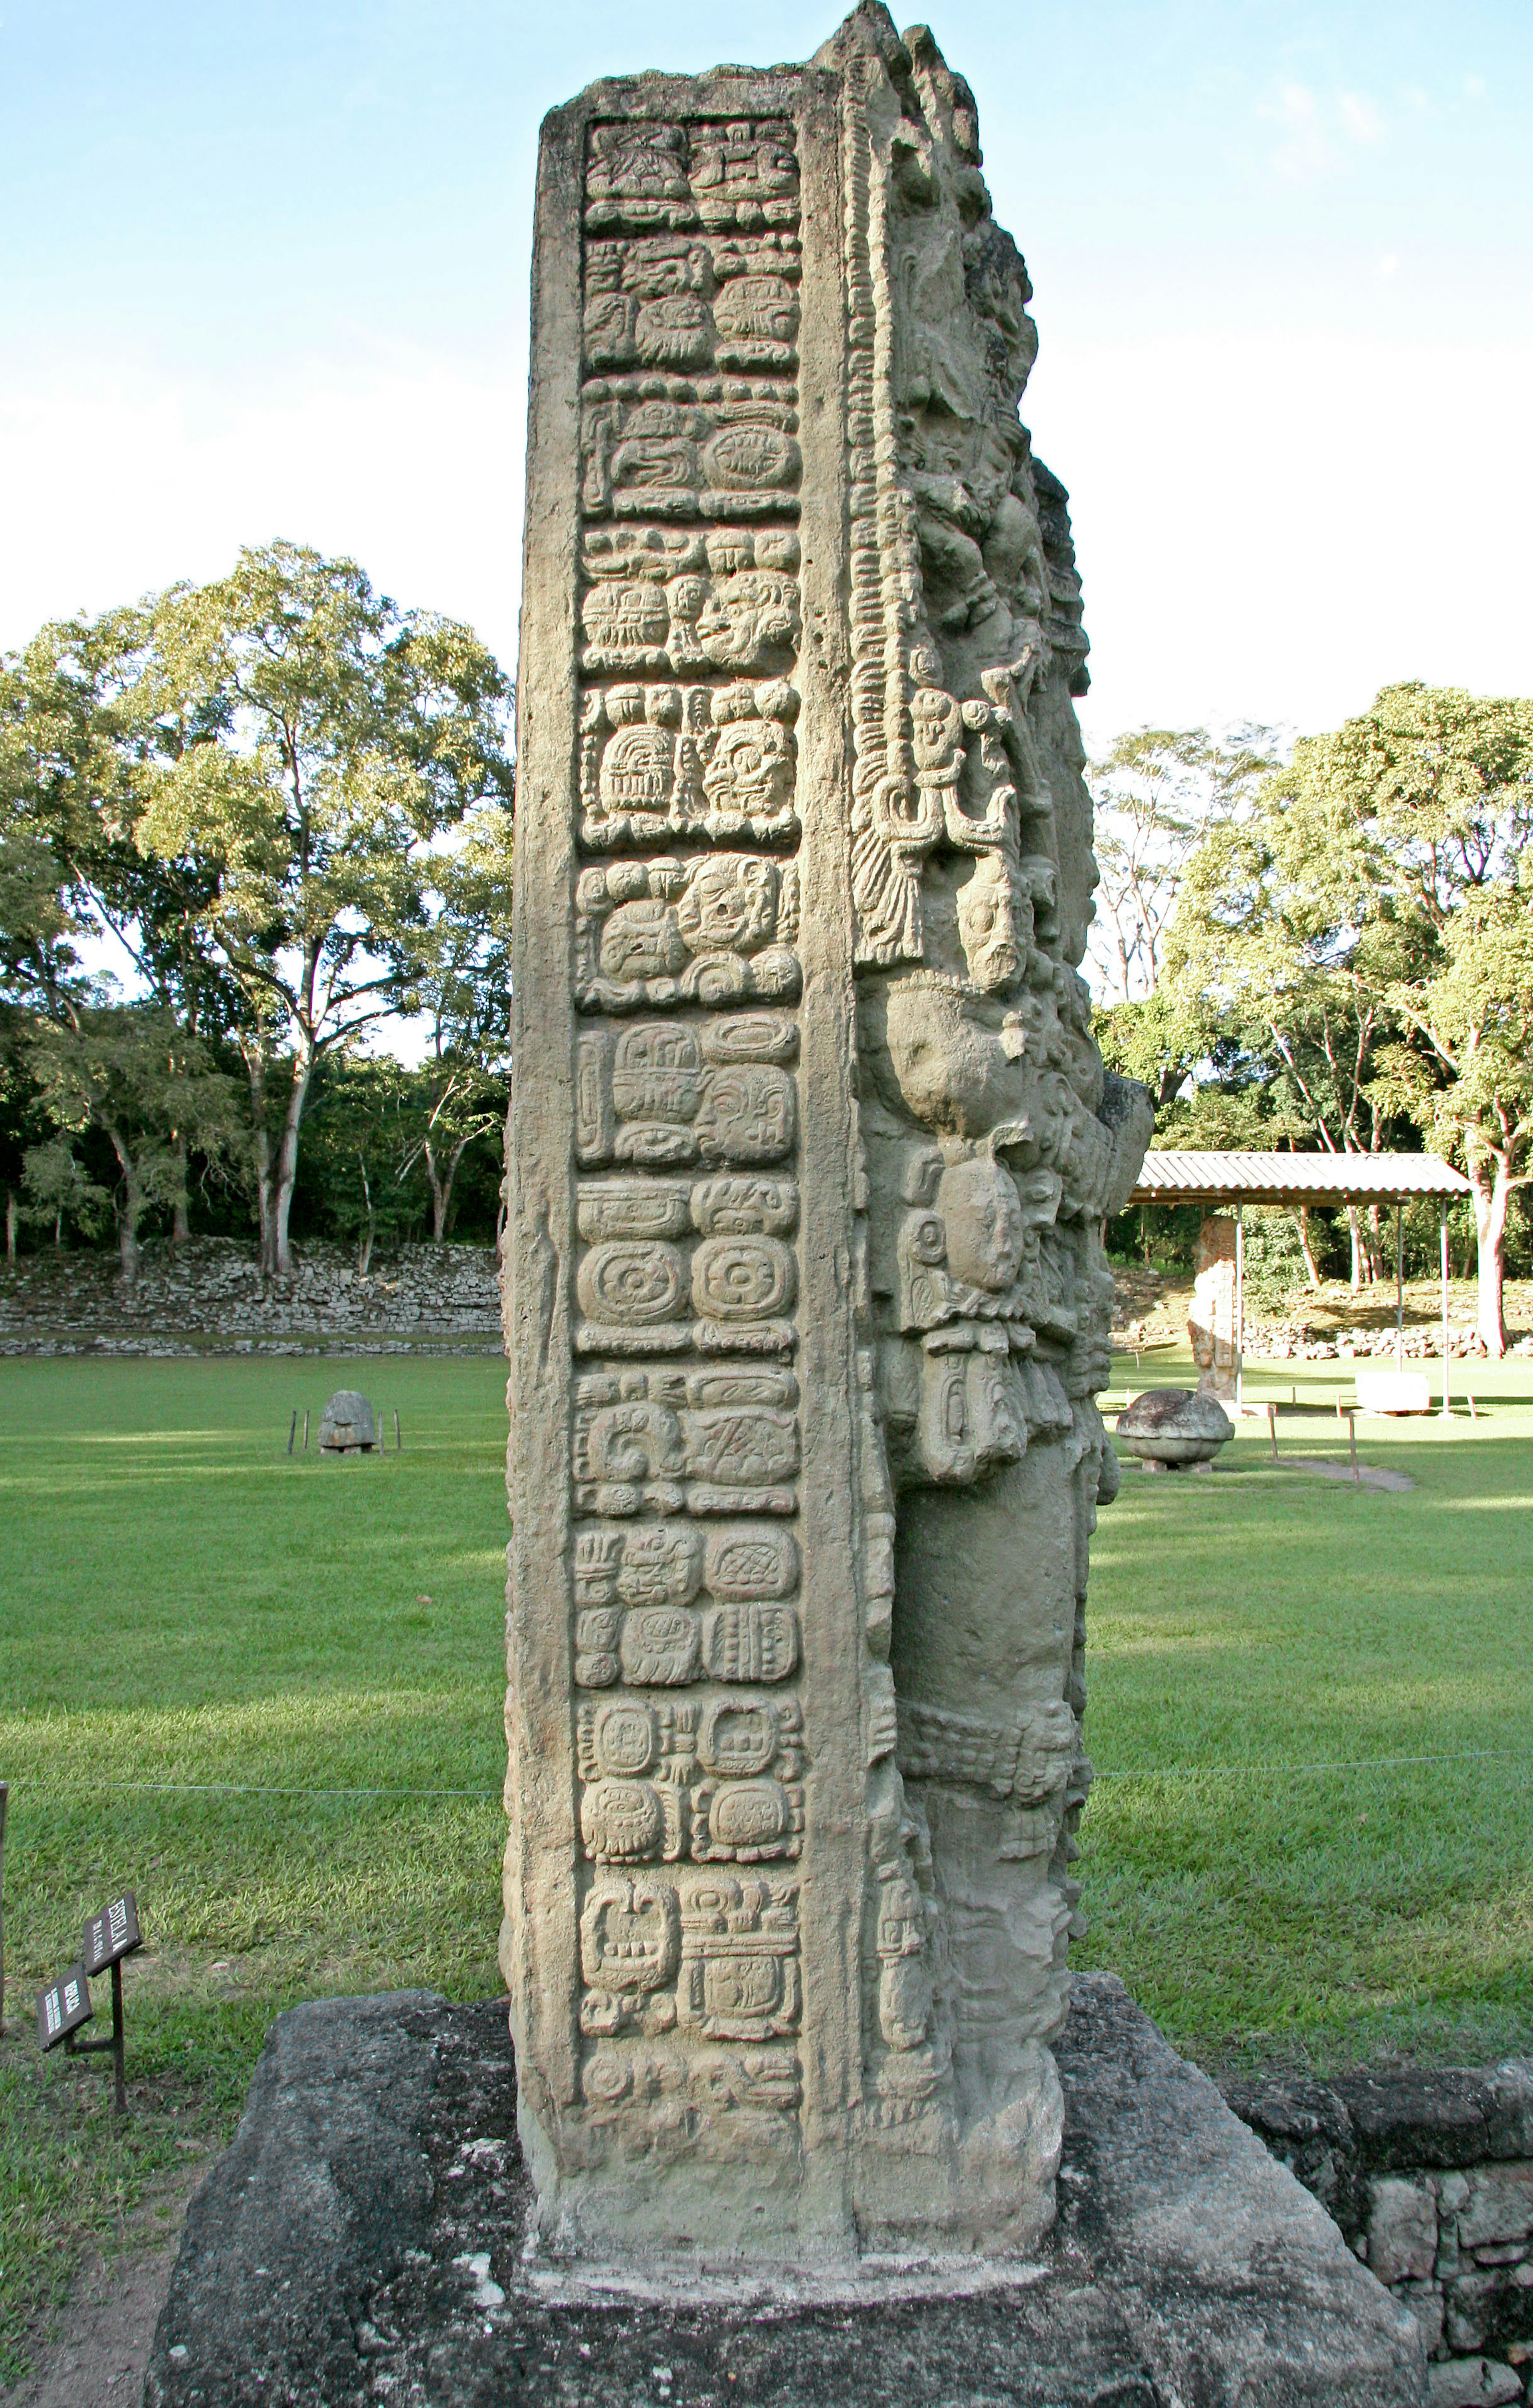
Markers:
point(10, 1225)
point(1356, 1227)
point(287, 1166)
point(1311, 1270)
point(441, 1187)
point(365, 1242)
point(129, 1212)
point(440, 1190)
point(255, 1065)
point(180, 1227)
point(1491, 1202)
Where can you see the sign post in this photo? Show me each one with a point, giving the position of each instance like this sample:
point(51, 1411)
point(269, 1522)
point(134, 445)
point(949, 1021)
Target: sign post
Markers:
point(109, 1937)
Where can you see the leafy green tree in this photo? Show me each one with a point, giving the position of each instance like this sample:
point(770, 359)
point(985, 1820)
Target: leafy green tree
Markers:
point(360, 1136)
point(306, 741)
point(1158, 791)
point(59, 1188)
point(460, 987)
point(132, 1072)
point(1364, 927)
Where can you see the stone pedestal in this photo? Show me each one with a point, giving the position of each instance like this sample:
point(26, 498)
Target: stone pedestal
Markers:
point(368, 2237)
point(811, 1148)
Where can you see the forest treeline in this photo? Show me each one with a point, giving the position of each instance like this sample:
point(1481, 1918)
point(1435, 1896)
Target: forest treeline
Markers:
point(249, 828)
point(245, 829)
point(1329, 945)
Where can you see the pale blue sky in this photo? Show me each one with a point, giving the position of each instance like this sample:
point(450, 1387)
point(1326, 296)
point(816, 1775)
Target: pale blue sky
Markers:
point(263, 270)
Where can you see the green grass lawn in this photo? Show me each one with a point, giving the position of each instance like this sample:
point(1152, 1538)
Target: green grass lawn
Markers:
point(181, 1602)
point(1268, 1884)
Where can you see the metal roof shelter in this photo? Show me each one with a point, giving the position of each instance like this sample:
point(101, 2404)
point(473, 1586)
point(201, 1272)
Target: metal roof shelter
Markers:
point(1294, 1179)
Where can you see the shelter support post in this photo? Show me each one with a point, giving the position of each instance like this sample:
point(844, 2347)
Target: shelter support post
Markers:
point(1399, 1286)
point(1444, 1233)
point(1240, 1309)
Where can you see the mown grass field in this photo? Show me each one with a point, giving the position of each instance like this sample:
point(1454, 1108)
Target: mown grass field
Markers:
point(183, 1603)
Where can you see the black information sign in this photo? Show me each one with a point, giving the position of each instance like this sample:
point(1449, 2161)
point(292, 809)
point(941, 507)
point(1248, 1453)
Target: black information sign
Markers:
point(112, 1933)
point(63, 2008)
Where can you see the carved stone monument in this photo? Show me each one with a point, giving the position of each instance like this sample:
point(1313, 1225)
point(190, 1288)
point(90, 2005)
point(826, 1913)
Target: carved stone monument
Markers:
point(811, 1150)
point(1213, 1323)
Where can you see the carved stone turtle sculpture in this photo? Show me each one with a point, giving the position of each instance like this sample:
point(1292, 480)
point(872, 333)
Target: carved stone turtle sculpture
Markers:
point(1172, 1429)
point(348, 1425)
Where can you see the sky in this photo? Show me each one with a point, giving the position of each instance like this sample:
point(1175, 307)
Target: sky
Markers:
point(264, 272)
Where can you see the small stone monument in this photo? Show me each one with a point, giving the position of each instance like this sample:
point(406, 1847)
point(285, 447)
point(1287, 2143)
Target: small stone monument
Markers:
point(1173, 1429)
point(348, 1425)
point(811, 1148)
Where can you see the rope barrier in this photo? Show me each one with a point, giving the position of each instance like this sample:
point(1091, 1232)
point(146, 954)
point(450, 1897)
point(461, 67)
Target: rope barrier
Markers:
point(1157, 1772)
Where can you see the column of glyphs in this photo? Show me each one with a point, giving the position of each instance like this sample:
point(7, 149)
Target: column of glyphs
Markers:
point(689, 1734)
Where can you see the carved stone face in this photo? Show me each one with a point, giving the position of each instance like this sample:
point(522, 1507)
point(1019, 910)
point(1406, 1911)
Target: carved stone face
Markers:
point(751, 769)
point(954, 1074)
point(982, 1214)
point(729, 905)
point(987, 923)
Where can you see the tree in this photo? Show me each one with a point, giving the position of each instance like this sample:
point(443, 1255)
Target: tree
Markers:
point(1158, 791)
point(1438, 784)
point(1285, 935)
point(1364, 927)
point(459, 984)
point(73, 754)
point(131, 1071)
point(307, 740)
point(1474, 1014)
point(61, 1189)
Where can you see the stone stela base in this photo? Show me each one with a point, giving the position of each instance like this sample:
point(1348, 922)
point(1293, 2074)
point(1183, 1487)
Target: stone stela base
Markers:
point(364, 2238)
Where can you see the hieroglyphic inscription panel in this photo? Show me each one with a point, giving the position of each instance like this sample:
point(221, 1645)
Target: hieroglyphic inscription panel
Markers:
point(685, 1449)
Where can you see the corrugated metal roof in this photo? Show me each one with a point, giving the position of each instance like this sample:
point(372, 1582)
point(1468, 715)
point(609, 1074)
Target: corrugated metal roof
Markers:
point(1293, 1177)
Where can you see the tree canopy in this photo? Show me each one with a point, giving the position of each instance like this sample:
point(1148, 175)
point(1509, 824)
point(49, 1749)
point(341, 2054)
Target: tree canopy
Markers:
point(284, 800)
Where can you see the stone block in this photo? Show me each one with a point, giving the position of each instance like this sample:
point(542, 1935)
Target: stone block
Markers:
point(1402, 2230)
point(1425, 2301)
point(1499, 2206)
point(1474, 2383)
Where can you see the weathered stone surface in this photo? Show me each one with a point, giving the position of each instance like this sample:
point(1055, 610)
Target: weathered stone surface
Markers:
point(1379, 2149)
point(811, 1148)
point(1474, 2383)
point(209, 1295)
point(1214, 1324)
point(348, 1422)
point(1402, 2229)
point(1175, 1426)
point(1499, 2206)
point(363, 2238)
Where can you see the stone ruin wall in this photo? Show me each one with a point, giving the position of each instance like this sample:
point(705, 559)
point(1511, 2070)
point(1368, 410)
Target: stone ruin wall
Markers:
point(811, 1148)
point(1429, 2175)
point(210, 1297)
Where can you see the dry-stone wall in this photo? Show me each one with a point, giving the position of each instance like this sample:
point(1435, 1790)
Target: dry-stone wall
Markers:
point(210, 1297)
point(1430, 2178)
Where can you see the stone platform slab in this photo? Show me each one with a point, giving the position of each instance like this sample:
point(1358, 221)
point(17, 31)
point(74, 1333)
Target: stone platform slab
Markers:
point(362, 2241)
